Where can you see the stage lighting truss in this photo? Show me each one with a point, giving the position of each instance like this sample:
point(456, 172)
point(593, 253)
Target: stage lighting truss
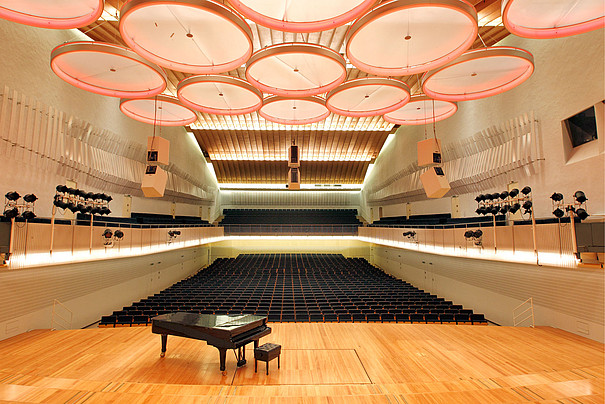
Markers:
point(302, 15)
point(505, 202)
point(77, 200)
point(404, 37)
point(221, 95)
point(192, 36)
point(421, 110)
point(57, 14)
point(294, 111)
point(479, 73)
point(531, 19)
point(109, 237)
point(368, 96)
point(107, 69)
point(577, 208)
point(162, 110)
point(296, 69)
point(16, 206)
point(475, 236)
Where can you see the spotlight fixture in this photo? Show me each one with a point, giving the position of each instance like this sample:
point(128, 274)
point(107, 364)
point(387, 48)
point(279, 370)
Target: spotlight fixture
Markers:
point(581, 213)
point(12, 196)
point(11, 213)
point(504, 208)
point(469, 234)
point(107, 234)
point(118, 234)
point(513, 193)
point(557, 197)
point(558, 213)
point(527, 205)
point(30, 198)
point(526, 190)
point(477, 233)
point(504, 195)
point(513, 209)
point(61, 188)
point(479, 198)
point(580, 197)
point(28, 215)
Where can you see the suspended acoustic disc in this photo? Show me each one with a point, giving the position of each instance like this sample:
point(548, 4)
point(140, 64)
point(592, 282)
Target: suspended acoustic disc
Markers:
point(160, 110)
point(107, 69)
point(58, 14)
point(421, 110)
point(302, 15)
point(222, 95)
point(479, 73)
point(193, 36)
point(369, 96)
point(294, 111)
point(553, 18)
point(404, 37)
point(296, 69)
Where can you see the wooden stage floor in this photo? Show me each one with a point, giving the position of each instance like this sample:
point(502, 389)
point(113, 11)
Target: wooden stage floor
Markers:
point(331, 362)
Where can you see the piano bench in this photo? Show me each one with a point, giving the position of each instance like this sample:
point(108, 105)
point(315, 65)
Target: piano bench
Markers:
point(265, 353)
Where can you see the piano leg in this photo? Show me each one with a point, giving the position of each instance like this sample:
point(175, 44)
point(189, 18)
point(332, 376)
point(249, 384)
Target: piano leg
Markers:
point(164, 341)
point(241, 356)
point(222, 355)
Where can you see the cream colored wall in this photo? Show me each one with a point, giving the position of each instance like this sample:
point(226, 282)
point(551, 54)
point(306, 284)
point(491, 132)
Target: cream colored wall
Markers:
point(26, 69)
point(89, 290)
point(569, 299)
point(569, 77)
point(233, 247)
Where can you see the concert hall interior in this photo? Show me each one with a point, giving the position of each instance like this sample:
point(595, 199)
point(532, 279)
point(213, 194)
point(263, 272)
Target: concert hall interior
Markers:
point(407, 197)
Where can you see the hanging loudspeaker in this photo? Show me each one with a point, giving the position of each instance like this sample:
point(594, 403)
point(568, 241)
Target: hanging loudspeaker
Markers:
point(294, 178)
point(154, 182)
point(158, 150)
point(293, 156)
point(434, 182)
point(429, 152)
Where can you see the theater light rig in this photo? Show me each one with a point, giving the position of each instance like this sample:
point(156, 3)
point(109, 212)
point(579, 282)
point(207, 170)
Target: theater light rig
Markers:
point(575, 209)
point(15, 206)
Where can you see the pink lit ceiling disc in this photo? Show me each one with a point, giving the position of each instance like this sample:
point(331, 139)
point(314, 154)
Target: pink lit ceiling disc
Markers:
point(302, 15)
point(293, 111)
point(107, 69)
point(421, 110)
point(405, 37)
point(194, 36)
point(59, 14)
point(161, 110)
point(553, 18)
point(479, 73)
point(368, 96)
point(222, 95)
point(296, 69)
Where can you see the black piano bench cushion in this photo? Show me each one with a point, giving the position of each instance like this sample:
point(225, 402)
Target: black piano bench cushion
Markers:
point(265, 353)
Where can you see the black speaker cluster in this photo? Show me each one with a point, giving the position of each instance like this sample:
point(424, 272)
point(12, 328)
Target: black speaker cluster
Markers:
point(578, 207)
point(77, 200)
point(504, 202)
point(16, 206)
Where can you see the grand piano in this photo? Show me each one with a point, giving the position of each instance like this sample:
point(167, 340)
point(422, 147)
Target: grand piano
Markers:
point(221, 331)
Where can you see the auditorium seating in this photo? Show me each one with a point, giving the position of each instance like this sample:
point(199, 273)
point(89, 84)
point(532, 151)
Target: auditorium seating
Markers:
point(297, 288)
point(438, 220)
point(141, 220)
point(290, 216)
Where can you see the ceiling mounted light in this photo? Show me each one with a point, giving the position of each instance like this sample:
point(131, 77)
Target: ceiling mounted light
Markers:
point(369, 96)
point(421, 110)
point(107, 69)
point(193, 36)
point(296, 69)
point(161, 110)
point(404, 37)
point(294, 111)
point(302, 15)
point(58, 14)
point(554, 19)
point(479, 73)
point(222, 95)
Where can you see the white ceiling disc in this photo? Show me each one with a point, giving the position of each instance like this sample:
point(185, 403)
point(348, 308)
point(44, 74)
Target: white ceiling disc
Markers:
point(59, 14)
point(161, 110)
point(421, 110)
point(293, 111)
point(193, 36)
point(222, 95)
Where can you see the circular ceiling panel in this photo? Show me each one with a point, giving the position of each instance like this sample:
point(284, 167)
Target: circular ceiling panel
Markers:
point(59, 14)
point(293, 111)
point(552, 19)
point(161, 110)
point(302, 15)
point(222, 95)
point(296, 69)
point(107, 69)
point(421, 110)
point(193, 36)
point(368, 96)
point(479, 73)
point(405, 37)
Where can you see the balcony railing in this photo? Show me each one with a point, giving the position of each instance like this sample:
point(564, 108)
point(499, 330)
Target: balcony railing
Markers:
point(290, 230)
